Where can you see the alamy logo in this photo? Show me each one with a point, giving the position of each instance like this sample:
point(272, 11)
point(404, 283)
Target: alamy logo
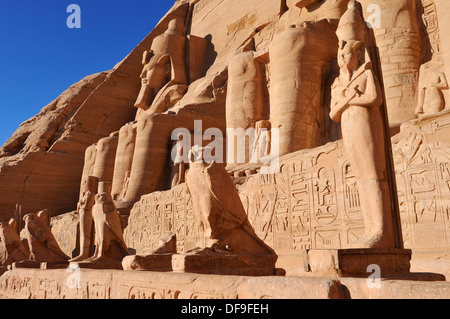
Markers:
point(74, 20)
point(374, 280)
point(374, 19)
point(254, 145)
point(74, 280)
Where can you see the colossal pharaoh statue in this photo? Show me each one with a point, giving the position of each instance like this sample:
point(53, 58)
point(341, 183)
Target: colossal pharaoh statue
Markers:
point(135, 158)
point(286, 83)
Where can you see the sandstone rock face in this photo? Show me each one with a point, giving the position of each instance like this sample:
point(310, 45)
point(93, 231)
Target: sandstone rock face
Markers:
point(42, 162)
point(217, 33)
point(314, 202)
point(276, 70)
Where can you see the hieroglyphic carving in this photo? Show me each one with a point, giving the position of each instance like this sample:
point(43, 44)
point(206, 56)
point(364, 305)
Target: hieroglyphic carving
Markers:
point(18, 285)
point(424, 183)
point(139, 289)
point(160, 213)
point(430, 20)
point(320, 199)
point(325, 210)
point(48, 289)
point(139, 292)
point(97, 291)
point(300, 204)
point(282, 212)
point(311, 217)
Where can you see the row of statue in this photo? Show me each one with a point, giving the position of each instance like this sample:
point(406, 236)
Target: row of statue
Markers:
point(215, 200)
point(128, 164)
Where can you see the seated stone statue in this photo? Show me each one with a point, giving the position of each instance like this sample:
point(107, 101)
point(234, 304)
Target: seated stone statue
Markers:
point(299, 55)
point(164, 82)
point(164, 67)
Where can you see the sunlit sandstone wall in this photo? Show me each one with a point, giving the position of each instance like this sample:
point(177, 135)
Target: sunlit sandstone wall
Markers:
point(314, 203)
point(443, 15)
point(41, 164)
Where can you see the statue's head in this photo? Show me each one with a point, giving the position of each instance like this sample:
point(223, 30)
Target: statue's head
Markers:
point(11, 223)
point(350, 54)
point(89, 184)
point(42, 217)
point(29, 218)
point(174, 27)
point(264, 124)
point(351, 25)
point(196, 154)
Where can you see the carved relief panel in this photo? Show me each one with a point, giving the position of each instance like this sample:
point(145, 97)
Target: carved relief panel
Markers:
point(314, 202)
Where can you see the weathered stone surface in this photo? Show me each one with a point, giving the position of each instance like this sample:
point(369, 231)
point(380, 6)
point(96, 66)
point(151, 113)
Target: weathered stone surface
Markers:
point(12, 247)
point(115, 284)
point(265, 66)
point(313, 203)
point(65, 229)
point(42, 244)
point(42, 162)
point(38, 284)
point(67, 124)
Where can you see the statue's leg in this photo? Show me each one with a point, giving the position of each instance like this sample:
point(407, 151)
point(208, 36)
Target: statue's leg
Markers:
point(364, 145)
point(85, 235)
point(124, 158)
point(149, 168)
point(298, 57)
point(105, 157)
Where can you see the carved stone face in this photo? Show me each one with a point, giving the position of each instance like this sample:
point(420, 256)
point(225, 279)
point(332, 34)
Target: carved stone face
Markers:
point(349, 55)
point(154, 74)
point(29, 218)
point(101, 198)
point(34, 227)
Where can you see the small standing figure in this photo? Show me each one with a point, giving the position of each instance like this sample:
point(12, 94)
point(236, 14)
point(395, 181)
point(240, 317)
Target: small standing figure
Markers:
point(432, 82)
point(179, 162)
point(356, 103)
point(262, 144)
point(85, 206)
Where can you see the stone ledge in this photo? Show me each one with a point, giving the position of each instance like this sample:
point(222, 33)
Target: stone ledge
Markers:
point(115, 284)
point(355, 262)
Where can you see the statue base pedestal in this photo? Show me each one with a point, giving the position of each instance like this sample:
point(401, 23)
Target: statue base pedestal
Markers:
point(154, 262)
point(117, 265)
point(225, 264)
point(40, 265)
point(360, 263)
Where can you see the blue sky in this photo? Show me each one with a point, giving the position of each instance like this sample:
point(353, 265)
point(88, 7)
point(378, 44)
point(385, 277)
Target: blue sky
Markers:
point(40, 57)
